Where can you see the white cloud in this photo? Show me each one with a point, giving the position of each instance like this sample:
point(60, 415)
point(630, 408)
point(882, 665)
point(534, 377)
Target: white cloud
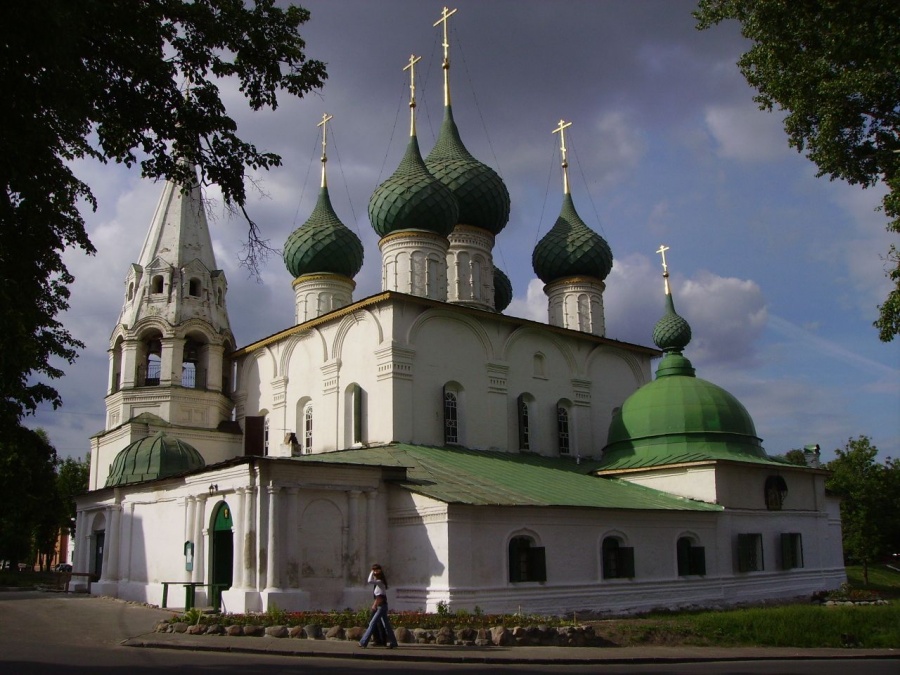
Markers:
point(533, 306)
point(744, 133)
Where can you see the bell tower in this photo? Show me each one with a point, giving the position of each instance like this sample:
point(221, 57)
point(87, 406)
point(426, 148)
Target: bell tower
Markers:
point(167, 352)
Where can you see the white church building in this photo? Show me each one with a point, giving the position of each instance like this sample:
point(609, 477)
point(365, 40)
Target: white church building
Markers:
point(482, 459)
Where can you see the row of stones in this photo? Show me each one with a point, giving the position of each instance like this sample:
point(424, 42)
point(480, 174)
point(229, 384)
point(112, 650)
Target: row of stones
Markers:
point(568, 636)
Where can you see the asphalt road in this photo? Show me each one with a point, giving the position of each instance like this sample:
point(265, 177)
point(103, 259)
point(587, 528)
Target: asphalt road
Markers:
point(78, 635)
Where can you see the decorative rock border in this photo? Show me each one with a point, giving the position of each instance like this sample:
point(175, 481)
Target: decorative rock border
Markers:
point(501, 636)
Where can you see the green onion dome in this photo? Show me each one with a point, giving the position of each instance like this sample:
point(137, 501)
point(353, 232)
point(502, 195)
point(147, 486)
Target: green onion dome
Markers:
point(679, 417)
point(571, 248)
point(323, 244)
point(153, 457)
point(671, 333)
point(413, 199)
point(480, 192)
point(503, 291)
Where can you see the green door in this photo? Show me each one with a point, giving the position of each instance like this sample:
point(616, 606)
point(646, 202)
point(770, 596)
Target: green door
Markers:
point(221, 555)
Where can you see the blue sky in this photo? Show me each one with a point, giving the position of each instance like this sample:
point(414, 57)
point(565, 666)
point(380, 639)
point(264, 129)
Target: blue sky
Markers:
point(778, 272)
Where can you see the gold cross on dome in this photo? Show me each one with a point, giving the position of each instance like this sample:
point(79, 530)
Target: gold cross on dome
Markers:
point(411, 67)
point(561, 130)
point(662, 251)
point(446, 14)
point(325, 118)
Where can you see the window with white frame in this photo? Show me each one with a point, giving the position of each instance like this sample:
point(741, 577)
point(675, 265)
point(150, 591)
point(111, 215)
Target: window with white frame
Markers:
point(307, 429)
point(562, 429)
point(451, 415)
point(524, 421)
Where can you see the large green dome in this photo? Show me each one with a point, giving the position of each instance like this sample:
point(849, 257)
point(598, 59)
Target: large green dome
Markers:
point(571, 248)
point(679, 417)
point(413, 199)
point(323, 244)
point(153, 457)
point(480, 193)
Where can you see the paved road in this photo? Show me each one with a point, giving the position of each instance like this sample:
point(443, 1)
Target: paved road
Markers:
point(78, 635)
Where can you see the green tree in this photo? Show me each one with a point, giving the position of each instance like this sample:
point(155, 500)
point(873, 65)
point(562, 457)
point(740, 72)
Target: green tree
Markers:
point(834, 67)
point(71, 480)
point(27, 492)
point(105, 80)
point(794, 456)
point(868, 503)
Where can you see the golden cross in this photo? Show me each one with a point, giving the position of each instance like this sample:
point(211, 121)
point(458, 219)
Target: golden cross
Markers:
point(411, 67)
point(561, 130)
point(325, 118)
point(446, 14)
point(662, 251)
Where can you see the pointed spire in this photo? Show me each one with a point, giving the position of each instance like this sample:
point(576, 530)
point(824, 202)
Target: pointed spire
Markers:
point(445, 15)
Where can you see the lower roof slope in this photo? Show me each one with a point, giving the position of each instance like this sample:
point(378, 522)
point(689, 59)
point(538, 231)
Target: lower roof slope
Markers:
point(484, 478)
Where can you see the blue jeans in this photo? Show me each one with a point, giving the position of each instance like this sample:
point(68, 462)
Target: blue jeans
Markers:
point(380, 618)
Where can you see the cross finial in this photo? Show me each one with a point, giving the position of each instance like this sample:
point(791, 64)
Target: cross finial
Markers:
point(411, 67)
point(662, 251)
point(561, 130)
point(446, 14)
point(325, 118)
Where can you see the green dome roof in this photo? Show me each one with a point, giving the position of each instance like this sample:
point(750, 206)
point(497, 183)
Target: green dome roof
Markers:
point(503, 291)
point(323, 244)
point(153, 457)
point(679, 417)
point(571, 248)
point(413, 199)
point(481, 194)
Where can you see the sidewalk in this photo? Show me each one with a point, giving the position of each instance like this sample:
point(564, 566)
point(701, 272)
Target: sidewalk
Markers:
point(504, 655)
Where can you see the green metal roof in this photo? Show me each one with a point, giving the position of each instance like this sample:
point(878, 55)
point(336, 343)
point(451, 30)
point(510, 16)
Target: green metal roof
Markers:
point(483, 478)
point(481, 194)
point(571, 249)
point(153, 457)
point(323, 244)
point(413, 199)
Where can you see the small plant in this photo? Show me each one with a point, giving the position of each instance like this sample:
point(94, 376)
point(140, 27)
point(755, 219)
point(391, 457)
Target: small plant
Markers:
point(276, 616)
point(443, 609)
point(192, 616)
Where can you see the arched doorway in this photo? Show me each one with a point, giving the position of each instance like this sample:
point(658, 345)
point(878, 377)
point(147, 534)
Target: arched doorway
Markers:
point(221, 554)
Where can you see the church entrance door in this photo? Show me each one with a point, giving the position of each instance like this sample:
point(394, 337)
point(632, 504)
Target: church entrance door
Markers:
point(99, 538)
point(221, 554)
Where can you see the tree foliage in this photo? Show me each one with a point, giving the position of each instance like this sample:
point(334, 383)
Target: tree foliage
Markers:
point(105, 80)
point(28, 495)
point(834, 67)
point(795, 456)
point(870, 519)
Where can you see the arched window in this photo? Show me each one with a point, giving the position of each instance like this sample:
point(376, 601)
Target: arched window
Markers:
point(130, 290)
point(538, 366)
point(266, 436)
point(617, 560)
point(219, 297)
point(691, 559)
point(451, 417)
point(527, 562)
point(194, 287)
point(522, 411)
point(308, 429)
point(562, 429)
point(355, 396)
point(156, 284)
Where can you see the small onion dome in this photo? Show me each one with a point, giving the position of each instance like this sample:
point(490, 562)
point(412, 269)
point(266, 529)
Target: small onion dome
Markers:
point(571, 248)
point(481, 194)
point(153, 457)
point(413, 199)
point(671, 333)
point(503, 291)
point(323, 244)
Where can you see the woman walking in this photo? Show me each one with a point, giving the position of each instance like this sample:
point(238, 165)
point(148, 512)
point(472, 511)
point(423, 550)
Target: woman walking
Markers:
point(380, 607)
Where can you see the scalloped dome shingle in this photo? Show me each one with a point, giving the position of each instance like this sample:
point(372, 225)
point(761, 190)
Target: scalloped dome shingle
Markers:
point(323, 244)
point(480, 192)
point(503, 290)
point(413, 199)
point(153, 457)
point(571, 248)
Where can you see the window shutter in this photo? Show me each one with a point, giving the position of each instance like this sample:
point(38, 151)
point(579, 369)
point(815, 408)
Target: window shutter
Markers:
point(787, 558)
point(684, 557)
point(626, 562)
point(253, 435)
point(743, 553)
point(537, 564)
point(698, 560)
